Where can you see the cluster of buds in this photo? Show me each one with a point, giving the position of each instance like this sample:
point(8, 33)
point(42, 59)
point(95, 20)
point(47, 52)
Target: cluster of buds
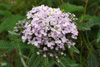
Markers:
point(49, 29)
point(51, 53)
point(19, 27)
point(72, 17)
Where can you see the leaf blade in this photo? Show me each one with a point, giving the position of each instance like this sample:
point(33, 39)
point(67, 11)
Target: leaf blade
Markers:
point(71, 8)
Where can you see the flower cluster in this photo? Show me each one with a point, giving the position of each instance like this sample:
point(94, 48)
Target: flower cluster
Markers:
point(19, 27)
point(49, 30)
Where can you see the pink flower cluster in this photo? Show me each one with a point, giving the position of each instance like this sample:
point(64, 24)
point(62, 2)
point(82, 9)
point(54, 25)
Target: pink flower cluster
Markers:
point(49, 28)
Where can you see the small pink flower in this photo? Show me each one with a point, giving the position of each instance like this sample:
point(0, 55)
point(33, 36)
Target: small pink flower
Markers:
point(45, 49)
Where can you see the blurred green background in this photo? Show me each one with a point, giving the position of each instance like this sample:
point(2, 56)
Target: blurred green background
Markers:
point(88, 42)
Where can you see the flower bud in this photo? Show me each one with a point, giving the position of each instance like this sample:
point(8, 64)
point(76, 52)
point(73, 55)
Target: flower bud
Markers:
point(38, 53)
point(44, 55)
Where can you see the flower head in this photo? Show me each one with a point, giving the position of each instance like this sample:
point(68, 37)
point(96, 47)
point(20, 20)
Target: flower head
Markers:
point(49, 29)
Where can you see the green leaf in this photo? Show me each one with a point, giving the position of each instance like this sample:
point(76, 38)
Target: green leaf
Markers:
point(7, 45)
point(13, 33)
point(67, 62)
point(86, 24)
point(51, 63)
point(94, 21)
point(84, 18)
point(39, 61)
point(34, 60)
point(83, 26)
point(21, 44)
point(83, 22)
point(71, 8)
point(9, 22)
point(2, 5)
point(98, 36)
point(5, 13)
point(46, 62)
point(92, 61)
point(18, 62)
point(74, 49)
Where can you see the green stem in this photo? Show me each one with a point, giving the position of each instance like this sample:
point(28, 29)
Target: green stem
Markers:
point(46, 61)
point(85, 41)
point(81, 49)
point(34, 63)
point(22, 60)
point(89, 42)
point(62, 64)
point(29, 54)
point(85, 6)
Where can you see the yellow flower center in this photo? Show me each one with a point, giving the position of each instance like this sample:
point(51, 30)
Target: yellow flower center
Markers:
point(42, 7)
point(53, 9)
point(37, 16)
point(62, 11)
point(45, 22)
point(49, 13)
point(57, 28)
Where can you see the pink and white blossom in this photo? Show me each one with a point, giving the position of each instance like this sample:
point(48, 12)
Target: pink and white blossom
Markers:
point(49, 27)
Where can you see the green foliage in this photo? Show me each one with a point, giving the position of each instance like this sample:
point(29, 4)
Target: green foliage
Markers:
point(74, 49)
point(12, 33)
point(39, 61)
point(34, 60)
point(87, 22)
point(46, 62)
point(2, 5)
point(5, 63)
point(5, 13)
point(51, 63)
point(98, 53)
point(50, 2)
point(8, 45)
point(94, 21)
point(67, 62)
point(18, 63)
point(92, 61)
point(9, 22)
point(5, 44)
point(71, 8)
point(98, 36)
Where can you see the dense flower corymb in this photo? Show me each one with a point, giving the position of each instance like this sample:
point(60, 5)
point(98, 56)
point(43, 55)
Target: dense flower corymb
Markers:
point(49, 29)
